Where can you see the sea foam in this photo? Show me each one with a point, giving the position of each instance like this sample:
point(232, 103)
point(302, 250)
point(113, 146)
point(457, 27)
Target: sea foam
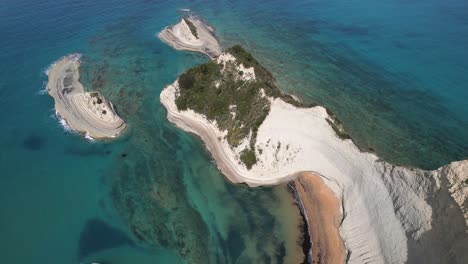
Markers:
point(89, 137)
point(62, 122)
point(43, 89)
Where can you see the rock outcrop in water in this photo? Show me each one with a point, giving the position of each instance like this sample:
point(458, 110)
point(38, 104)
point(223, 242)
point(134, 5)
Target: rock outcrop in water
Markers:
point(86, 112)
point(192, 34)
point(390, 214)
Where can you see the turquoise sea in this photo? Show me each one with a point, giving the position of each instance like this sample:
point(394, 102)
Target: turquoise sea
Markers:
point(395, 73)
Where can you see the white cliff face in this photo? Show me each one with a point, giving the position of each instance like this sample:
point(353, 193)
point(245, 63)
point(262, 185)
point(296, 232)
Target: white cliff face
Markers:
point(434, 222)
point(391, 214)
point(409, 190)
point(457, 176)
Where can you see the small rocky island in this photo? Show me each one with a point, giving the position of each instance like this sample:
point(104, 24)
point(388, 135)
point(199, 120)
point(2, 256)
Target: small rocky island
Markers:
point(192, 34)
point(382, 213)
point(85, 112)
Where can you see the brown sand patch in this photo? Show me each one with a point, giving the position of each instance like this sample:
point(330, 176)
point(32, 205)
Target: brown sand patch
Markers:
point(322, 209)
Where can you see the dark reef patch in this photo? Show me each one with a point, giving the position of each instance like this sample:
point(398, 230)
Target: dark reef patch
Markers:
point(154, 204)
point(97, 236)
point(87, 150)
point(400, 45)
point(33, 142)
point(235, 244)
point(351, 30)
point(281, 254)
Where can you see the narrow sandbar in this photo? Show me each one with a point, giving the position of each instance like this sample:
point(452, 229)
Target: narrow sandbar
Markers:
point(86, 112)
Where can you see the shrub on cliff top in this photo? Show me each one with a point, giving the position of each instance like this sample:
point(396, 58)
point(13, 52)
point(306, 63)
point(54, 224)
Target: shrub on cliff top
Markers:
point(192, 27)
point(248, 157)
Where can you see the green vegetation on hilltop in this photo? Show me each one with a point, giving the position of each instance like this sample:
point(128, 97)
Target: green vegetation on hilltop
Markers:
point(235, 104)
point(192, 27)
point(270, 86)
point(248, 157)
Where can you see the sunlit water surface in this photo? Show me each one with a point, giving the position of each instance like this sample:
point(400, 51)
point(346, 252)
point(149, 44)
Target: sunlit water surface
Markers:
point(393, 71)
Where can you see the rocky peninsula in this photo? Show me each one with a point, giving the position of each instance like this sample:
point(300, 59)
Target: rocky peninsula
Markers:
point(86, 112)
point(260, 136)
point(192, 34)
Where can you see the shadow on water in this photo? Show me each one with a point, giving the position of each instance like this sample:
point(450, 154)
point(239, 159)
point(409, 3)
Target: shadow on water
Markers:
point(98, 236)
point(87, 150)
point(235, 244)
point(33, 142)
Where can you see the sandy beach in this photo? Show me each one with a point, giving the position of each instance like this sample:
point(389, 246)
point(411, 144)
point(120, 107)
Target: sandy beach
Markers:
point(385, 206)
point(180, 37)
point(322, 211)
point(86, 112)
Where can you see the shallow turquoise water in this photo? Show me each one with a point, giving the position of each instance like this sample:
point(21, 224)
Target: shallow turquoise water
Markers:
point(393, 71)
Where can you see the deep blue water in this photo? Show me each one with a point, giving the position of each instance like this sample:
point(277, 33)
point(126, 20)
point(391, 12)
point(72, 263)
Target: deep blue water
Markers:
point(395, 72)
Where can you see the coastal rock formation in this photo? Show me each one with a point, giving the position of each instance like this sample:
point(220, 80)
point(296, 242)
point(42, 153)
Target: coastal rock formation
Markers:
point(86, 112)
point(389, 214)
point(192, 34)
